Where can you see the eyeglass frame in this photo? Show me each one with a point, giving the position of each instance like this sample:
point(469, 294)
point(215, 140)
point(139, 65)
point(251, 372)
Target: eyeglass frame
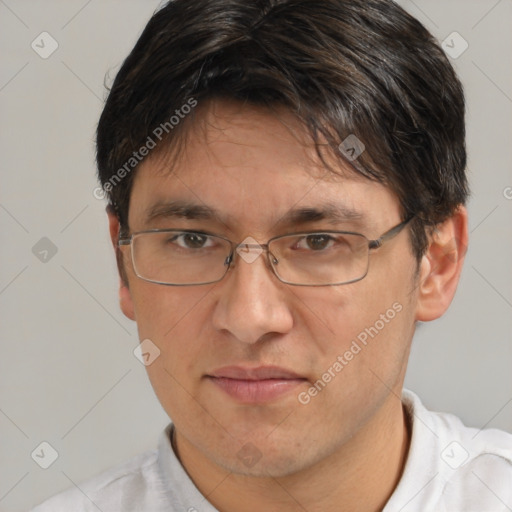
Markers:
point(372, 245)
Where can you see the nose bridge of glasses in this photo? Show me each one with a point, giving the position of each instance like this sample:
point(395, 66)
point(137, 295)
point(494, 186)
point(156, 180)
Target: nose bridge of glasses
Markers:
point(248, 250)
point(251, 247)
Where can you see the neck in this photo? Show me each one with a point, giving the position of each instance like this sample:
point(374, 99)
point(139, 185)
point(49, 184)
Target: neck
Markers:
point(359, 477)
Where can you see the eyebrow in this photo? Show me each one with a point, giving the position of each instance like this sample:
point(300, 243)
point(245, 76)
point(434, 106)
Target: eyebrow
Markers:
point(332, 213)
point(180, 210)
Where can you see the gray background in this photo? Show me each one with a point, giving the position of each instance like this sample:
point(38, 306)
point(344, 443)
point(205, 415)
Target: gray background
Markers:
point(68, 375)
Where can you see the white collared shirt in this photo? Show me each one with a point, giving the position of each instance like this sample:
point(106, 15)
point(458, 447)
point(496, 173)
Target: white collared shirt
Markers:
point(449, 468)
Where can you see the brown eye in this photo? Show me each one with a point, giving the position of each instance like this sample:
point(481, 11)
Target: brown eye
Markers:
point(191, 240)
point(318, 242)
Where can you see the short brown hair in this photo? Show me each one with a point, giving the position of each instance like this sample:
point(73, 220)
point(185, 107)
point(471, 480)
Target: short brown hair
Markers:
point(343, 67)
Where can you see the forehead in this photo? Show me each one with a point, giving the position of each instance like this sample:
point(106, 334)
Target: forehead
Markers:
point(252, 167)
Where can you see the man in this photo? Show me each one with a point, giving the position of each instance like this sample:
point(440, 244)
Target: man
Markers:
point(287, 185)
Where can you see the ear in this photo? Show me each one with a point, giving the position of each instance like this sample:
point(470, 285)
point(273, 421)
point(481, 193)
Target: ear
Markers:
point(125, 297)
point(441, 266)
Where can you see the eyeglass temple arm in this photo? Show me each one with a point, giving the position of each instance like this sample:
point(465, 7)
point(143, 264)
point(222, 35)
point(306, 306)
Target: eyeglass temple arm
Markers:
point(375, 244)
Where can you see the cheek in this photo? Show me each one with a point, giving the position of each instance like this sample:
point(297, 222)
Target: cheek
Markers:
point(360, 330)
point(364, 337)
point(174, 320)
point(162, 309)
point(335, 316)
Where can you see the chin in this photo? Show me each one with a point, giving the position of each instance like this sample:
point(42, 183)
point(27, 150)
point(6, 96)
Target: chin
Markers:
point(276, 467)
point(263, 458)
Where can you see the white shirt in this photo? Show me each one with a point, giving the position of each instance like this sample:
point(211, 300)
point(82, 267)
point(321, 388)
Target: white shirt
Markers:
point(449, 468)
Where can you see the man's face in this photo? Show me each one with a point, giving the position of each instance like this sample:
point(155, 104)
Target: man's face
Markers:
point(247, 166)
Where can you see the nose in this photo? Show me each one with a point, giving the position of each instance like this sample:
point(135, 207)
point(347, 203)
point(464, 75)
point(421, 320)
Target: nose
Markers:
point(252, 302)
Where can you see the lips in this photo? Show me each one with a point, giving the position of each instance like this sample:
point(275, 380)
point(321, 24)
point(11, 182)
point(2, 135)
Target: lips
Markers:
point(255, 385)
point(259, 373)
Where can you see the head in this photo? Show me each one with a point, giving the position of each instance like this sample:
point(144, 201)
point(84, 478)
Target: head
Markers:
point(263, 118)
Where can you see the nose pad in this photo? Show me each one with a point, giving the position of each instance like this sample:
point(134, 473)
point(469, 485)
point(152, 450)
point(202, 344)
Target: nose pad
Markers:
point(272, 258)
point(249, 250)
point(229, 260)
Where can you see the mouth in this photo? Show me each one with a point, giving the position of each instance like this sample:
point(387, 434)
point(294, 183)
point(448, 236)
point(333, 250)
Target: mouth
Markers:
point(255, 385)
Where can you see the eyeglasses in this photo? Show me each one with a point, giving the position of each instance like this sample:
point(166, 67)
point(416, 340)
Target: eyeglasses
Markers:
point(320, 258)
